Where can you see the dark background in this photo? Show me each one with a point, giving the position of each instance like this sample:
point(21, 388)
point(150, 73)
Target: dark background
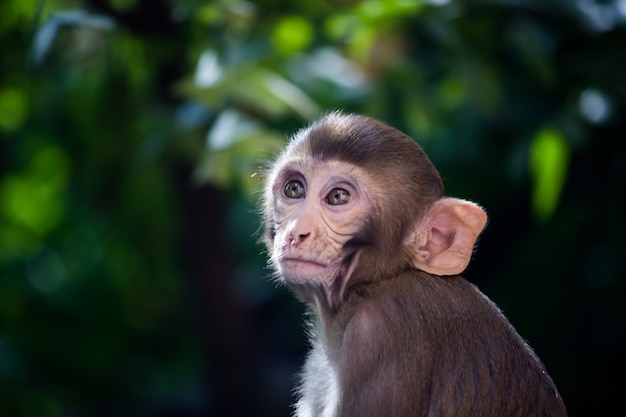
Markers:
point(131, 281)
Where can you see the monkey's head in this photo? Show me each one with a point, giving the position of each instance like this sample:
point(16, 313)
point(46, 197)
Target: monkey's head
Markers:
point(352, 199)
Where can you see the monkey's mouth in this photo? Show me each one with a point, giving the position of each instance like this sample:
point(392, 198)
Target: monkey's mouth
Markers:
point(304, 271)
point(296, 261)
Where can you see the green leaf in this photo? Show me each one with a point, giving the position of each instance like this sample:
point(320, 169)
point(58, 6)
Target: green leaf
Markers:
point(549, 162)
point(375, 10)
point(275, 94)
point(293, 34)
point(13, 108)
point(33, 199)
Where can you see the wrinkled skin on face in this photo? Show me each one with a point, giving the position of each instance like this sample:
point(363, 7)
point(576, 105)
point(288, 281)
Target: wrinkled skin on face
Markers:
point(318, 207)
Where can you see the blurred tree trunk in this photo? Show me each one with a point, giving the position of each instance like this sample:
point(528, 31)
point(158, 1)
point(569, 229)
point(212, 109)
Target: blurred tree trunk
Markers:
point(222, 323)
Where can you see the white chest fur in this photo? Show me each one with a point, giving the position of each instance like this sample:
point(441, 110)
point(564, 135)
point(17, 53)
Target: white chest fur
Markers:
point(319, 387)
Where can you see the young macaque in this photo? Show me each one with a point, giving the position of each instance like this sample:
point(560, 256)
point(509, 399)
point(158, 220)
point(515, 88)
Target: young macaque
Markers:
point(357, 226)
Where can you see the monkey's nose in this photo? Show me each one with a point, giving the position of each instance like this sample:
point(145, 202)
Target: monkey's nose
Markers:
point(298, 238)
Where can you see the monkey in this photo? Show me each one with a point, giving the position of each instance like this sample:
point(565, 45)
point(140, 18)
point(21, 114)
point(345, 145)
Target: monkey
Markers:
point(357, 226)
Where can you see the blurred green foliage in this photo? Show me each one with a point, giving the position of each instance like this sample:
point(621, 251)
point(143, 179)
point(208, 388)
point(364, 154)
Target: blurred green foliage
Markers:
point(133, 136)
point(549, 154)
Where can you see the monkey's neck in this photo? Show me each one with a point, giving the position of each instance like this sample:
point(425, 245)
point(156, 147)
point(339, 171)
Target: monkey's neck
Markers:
point(326, 297)
point(325, 303)
point(331, 304)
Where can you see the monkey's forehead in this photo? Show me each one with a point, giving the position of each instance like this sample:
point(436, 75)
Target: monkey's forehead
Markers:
point(310, 166)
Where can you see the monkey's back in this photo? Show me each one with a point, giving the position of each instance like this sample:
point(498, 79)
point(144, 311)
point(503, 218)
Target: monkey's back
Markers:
point(422, 345)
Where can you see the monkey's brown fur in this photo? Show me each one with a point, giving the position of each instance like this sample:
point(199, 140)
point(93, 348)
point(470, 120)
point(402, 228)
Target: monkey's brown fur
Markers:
point(436, 346)
point(404, 342)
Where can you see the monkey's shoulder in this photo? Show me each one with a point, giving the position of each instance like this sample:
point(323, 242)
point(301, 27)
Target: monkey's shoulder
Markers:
point(421, 307)
point(453, 331)
point(419, 293)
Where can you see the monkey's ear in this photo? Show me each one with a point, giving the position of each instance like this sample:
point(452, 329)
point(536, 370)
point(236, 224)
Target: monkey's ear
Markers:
point(443, 240)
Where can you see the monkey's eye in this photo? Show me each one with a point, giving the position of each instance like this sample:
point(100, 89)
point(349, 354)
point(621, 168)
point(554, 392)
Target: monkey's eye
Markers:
point(294, 189)
point(337, 197)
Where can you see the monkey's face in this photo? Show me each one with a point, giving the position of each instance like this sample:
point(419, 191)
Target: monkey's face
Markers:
point(317, 208)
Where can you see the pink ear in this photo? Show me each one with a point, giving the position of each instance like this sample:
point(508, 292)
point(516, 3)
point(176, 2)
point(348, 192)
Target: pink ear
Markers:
point(443, 240)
